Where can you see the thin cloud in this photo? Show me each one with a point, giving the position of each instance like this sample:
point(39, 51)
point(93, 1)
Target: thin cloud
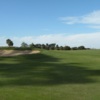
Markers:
point(69, 20)
point(3, 41)
point(94, 26)
point(91, 18)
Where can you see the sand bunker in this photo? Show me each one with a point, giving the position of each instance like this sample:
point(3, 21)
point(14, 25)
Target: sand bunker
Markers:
point(17, 52)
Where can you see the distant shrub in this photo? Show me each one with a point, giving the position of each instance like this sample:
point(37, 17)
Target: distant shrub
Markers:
point(67, 48)
point(15, 48)
point(61, 48)
point(24, 45)
point(74, 48)
point(81, 48)
point(7, 48)
point(22, 48)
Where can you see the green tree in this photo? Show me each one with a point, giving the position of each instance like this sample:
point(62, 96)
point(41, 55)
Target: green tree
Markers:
point(61, 48)
point(81, 48)
point(74, 48)
point(24, 45)
point(52, 46)
point(67, 48)
point(32, 45)
point(9, 42)
point(57, 47)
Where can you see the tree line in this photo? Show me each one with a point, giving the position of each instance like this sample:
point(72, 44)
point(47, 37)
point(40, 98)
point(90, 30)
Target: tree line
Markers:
point(46, 46)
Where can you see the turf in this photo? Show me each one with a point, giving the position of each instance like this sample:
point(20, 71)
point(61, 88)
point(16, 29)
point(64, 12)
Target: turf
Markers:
point(51, 75)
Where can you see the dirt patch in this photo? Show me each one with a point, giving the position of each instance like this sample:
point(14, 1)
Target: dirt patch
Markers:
point(17, 52)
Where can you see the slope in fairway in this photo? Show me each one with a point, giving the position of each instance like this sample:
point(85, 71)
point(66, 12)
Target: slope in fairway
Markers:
point(51, 75)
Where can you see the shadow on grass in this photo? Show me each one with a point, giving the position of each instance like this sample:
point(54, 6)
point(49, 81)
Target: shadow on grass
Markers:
point(40, 69)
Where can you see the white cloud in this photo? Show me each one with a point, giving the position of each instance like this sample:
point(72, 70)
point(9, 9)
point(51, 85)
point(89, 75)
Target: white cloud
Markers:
point(69, 20)
point(95, 26)
point(91, 18)
point(91, 40)
point(2, 41)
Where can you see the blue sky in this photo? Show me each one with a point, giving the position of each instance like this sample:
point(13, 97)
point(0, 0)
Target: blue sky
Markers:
point(65, 22)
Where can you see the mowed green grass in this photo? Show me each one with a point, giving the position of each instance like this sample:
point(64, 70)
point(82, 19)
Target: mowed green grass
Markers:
point(51, 75)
